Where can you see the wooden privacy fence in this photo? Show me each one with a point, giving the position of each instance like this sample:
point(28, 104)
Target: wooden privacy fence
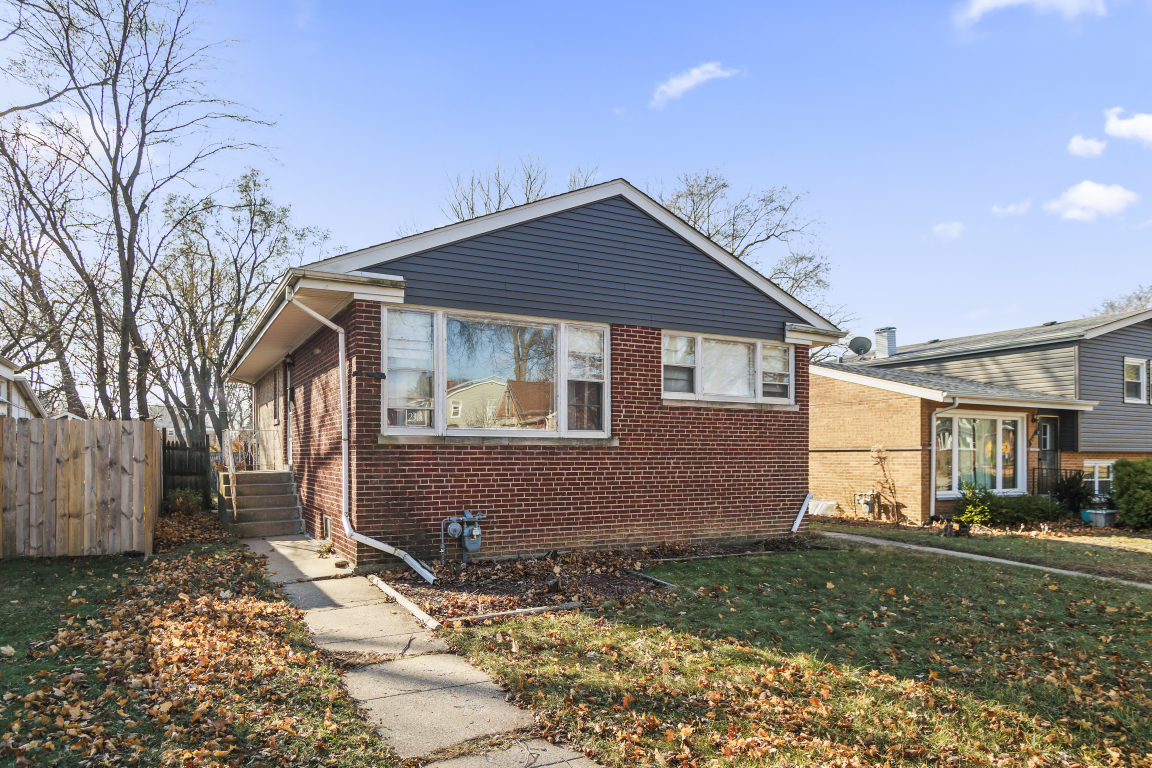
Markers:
point(188, 466)
point(75, 488)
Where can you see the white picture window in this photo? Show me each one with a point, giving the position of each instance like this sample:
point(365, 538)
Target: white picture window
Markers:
point(698, 367)
point(1098, 477)
point(461, 373)
point(981, 450)
point(1135, 380)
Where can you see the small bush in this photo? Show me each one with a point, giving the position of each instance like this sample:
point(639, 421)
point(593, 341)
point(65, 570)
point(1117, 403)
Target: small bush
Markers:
point(183, 501)
point(1070, 490)
point(1132, 490)
point(976, 505)
point(1027, 509)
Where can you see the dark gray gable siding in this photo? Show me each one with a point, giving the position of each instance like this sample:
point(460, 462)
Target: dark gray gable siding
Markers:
point(606, 262)
point(1114, 425)
point(1050, 369)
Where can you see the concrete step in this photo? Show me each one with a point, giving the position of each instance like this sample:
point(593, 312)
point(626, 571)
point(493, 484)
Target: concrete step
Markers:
point(257, 502)
point(257, 529)
point(261, 477)
point(265, 489)
point(262, 514)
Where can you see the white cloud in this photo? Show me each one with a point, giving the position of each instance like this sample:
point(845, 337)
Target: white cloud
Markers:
point(1086, 200)
point(678, 85)
point(1012, 209)
point(972, 11)
point(1139, 126)
point(949, 230)
point(1082, 147)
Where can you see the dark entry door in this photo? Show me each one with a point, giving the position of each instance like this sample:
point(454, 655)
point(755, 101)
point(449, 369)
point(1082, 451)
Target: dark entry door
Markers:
point(1048, 441)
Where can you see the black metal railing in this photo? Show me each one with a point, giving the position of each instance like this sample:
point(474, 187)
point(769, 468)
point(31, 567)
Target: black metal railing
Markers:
point(1043, 480)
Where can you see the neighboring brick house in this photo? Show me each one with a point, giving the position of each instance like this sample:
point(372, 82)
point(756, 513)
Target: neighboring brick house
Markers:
point(587, 370)
point(876, 434)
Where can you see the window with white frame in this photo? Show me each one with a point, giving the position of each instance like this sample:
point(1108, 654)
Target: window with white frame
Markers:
point(982, 450)
point(699, 367)
point(1098, 477)
point(464, 373)
point(1135, 380)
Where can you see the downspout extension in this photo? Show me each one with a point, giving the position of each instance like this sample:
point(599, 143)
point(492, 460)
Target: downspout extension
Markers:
point(344, 499)
point(932, 460)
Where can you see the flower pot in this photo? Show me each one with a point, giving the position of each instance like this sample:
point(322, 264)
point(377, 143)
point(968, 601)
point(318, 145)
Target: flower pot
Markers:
point(1103, 518)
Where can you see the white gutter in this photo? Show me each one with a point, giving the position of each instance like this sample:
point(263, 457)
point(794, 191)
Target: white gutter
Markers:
point(932, 464)
point(344, 500)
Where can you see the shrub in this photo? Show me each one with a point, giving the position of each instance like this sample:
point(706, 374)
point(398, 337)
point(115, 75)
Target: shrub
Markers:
point(1070, 490)
point(1026, 509)
point(976, 505)
point(1132, 490)
point(183, 501)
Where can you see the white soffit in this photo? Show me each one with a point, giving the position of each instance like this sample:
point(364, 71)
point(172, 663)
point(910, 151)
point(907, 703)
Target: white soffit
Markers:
point(396, 249)
point(283, 327)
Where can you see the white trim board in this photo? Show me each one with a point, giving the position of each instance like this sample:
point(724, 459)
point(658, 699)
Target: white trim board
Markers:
point(356, 261)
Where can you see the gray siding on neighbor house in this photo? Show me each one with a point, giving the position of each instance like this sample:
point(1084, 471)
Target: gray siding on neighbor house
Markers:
point(1114, 425)
point(606, 262)
point(1050, 369)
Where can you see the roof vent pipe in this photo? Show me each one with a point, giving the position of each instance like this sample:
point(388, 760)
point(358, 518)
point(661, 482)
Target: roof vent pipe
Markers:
point(885, 342)
point(415, 564)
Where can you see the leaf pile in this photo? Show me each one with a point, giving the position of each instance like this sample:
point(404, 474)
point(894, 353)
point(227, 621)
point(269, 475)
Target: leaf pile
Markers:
point(198, 663)
point(836, 659)
point(176, 530)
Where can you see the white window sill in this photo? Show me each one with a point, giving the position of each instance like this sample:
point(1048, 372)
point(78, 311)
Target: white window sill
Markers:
point(943, 495)
point(736, 405)
point(560, 442)
point(1135, 402)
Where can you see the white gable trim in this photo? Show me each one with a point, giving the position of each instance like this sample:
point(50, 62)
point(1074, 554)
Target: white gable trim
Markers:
point(1116, 325)
point(379, 254)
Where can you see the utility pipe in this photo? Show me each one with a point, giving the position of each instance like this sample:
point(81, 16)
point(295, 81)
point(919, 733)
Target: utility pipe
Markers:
point(344, 500)
point(932, 466)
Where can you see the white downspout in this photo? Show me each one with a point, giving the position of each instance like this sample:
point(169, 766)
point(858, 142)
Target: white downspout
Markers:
point(344, 498)
point(932, 465)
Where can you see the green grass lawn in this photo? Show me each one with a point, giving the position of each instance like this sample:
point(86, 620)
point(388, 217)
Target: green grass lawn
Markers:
point(1123, 557)
point(868, 656)
point(191, 659)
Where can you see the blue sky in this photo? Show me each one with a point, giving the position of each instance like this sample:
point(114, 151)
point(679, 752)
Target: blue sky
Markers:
point(906, 123)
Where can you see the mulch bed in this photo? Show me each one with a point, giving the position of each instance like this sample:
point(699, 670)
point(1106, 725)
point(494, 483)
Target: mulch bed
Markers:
point(590, 578)
point(176, 530)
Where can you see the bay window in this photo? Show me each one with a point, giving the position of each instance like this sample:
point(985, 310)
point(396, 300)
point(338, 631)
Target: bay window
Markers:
point(698, 367)
point(984, 451)
point(458, 373)
point(1135, 380)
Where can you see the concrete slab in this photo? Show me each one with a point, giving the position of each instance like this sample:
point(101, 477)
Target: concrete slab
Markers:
point(421, 674)
point(359, 621)
point(333, 593)
point(294, 557)
point(386, 645)
point(535, 753)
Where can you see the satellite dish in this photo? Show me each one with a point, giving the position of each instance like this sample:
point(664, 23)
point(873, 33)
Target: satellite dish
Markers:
point(860, 345)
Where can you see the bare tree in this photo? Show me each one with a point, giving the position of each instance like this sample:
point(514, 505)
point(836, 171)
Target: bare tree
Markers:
point(582, 176)
point(1140, 298)
point(211, 280)
point(501, 187)
point(143, 122)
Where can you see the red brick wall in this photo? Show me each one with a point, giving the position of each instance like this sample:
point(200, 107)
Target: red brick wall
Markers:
point(679, 474)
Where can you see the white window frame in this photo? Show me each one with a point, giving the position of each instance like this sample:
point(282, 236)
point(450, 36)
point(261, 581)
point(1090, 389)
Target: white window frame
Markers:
point(1094, 465)
point(1021, 451)
point(440, 376)
point(758, 376)
point(1143, 364)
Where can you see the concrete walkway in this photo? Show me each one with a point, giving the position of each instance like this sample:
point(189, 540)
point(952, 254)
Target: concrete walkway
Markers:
point(984, 558)
point(424, 701)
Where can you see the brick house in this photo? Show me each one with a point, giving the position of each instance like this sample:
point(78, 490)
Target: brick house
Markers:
point(586, 370)
point(877, 433)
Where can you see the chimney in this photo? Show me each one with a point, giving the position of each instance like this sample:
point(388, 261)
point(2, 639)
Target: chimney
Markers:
point(885, 342)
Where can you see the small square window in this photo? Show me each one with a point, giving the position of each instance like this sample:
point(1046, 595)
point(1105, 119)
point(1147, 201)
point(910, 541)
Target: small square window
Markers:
point(680, 364)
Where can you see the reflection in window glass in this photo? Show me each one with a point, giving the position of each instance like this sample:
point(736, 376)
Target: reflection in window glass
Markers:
point(1134, 381)
point(976, 449)
point(410, 383)
point(776, 373)
point(503, 373)
point(679, 364)
point(585, 379)
point(729, 368)
point(944, 454)
point(1008, 444)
